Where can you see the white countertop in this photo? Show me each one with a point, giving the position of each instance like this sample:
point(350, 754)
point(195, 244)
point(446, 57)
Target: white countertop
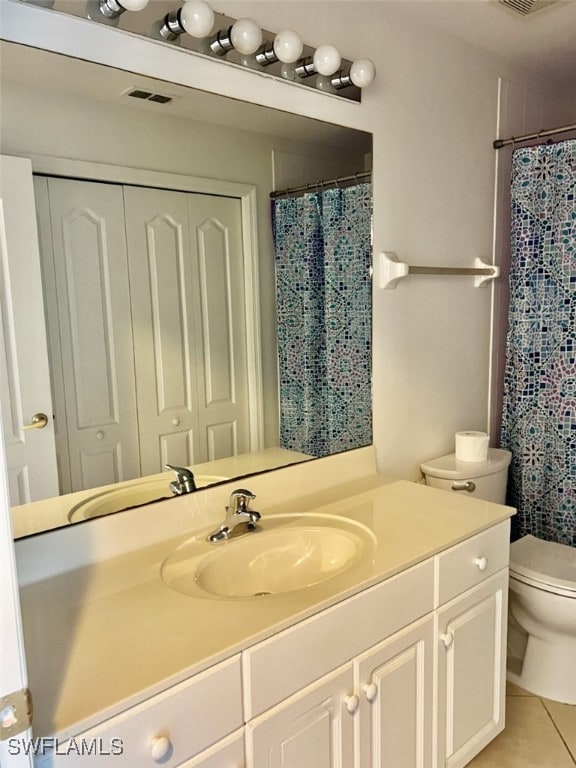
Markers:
point(106, 636)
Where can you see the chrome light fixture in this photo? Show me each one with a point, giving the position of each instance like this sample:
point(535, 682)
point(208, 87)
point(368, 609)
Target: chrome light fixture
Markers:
point(112, 9)
point(360, 74)
point(325, 61)
point(197, 29)
point(287, 48)
point(244, 36)
point(194, 17)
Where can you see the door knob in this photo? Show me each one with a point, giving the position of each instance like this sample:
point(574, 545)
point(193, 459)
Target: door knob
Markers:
point(39, 421)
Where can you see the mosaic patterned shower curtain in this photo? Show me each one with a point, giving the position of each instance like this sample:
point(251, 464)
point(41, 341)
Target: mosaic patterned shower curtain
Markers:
point(539, 416)
point(323, 290)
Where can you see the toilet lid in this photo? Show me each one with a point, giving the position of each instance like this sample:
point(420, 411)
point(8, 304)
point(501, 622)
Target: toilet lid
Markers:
point(544, 562)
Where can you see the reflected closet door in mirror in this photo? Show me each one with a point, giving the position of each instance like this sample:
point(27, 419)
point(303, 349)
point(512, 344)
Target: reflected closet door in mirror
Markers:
point(147, 329)
point(85, 266)
point(186, 276)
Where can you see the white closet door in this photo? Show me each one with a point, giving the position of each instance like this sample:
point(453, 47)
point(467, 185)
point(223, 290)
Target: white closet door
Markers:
point(223, 411)
point(95, 333)
point(164, 289)
point(185, 255)
point(24, 373)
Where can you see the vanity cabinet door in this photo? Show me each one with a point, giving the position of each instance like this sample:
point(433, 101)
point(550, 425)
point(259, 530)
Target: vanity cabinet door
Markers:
point(471, 670)
point(312, 729)
point(394, 681)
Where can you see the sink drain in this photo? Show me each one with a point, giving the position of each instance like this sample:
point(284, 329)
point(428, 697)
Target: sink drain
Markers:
point(261, 594)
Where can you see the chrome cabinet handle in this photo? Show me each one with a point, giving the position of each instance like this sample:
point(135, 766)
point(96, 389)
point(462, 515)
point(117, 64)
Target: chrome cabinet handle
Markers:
point(39, 421)
point(466, 486)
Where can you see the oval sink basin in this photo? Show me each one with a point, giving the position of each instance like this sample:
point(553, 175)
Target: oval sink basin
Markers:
point(269, 562)
point(131, 495)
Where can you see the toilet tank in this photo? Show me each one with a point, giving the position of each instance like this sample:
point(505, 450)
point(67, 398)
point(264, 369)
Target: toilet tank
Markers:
point(481, 479)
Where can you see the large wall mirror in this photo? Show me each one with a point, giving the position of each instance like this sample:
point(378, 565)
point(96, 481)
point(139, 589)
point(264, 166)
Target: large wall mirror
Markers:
point(146, 328)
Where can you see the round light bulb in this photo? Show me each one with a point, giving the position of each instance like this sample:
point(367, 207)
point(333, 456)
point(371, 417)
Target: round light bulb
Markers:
point(326, 59)
point(197, 18)
point(246, 36)
point(362, 72)
point(288, 46)
point(133, 5)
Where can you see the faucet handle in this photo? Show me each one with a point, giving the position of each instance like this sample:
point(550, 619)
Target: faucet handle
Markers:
point(185, 482)
point(240, 500)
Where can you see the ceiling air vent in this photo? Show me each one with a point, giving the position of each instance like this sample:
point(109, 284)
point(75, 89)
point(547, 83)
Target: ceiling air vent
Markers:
point(526, 7)
point(158, 98)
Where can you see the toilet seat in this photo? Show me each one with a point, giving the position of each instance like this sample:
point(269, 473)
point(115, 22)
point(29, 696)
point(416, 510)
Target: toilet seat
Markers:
point(545, 565)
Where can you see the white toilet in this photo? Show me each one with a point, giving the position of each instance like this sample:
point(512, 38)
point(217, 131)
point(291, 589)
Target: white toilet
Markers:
point(542, 604)
point(542, 627)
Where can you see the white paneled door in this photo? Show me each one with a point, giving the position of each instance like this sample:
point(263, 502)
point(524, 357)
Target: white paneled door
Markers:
point(187, 283)
point(147, 329)
point(83, 244)
point(27, 412)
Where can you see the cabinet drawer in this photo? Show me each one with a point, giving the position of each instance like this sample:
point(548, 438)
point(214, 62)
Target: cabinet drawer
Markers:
point(228, 753)
point(472, 561)
point(191, 716)
point(287, 662)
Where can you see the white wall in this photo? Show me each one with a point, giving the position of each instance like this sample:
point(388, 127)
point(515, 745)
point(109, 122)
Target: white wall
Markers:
point(433, 110)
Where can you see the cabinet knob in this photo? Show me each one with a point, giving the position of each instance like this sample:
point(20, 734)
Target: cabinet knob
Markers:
point(352, 702)
point(99, 435)
point(371, 691)
point(160, 747)
point(481, 562)
point(447, 639)
point(176, 421)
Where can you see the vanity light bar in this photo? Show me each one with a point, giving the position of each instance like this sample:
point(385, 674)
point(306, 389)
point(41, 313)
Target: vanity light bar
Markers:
point(193, 25)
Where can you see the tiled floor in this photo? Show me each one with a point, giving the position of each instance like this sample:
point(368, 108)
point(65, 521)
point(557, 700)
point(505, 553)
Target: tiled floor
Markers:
point(539, 734)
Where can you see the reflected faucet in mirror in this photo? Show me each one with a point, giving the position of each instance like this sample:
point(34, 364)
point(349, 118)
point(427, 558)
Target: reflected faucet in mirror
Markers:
point(237, 512)
point(184, 482)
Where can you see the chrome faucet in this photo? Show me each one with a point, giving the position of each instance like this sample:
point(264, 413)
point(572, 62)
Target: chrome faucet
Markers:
point(237, 512)
point(184, 482)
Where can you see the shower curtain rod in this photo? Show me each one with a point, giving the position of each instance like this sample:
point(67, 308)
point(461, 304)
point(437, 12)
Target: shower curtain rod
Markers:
point(499, 143)
point(339, 180)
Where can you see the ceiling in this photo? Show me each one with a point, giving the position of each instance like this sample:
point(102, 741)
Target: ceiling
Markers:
point(78, 79)
point(542, 43)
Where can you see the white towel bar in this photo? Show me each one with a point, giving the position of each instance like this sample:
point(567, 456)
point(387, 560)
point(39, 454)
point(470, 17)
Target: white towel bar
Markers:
point(392, 270)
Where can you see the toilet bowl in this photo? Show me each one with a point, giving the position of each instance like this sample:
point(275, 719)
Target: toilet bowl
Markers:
point(542, 595)
point(542, 630)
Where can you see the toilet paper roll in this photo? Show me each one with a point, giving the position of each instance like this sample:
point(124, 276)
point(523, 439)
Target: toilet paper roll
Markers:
point(471, 446)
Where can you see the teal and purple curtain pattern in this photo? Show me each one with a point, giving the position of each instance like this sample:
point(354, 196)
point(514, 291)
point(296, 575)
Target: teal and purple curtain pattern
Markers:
point(323, 290)
point(539, 411)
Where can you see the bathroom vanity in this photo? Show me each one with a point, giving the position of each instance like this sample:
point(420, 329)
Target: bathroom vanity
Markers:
point(396, 659)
